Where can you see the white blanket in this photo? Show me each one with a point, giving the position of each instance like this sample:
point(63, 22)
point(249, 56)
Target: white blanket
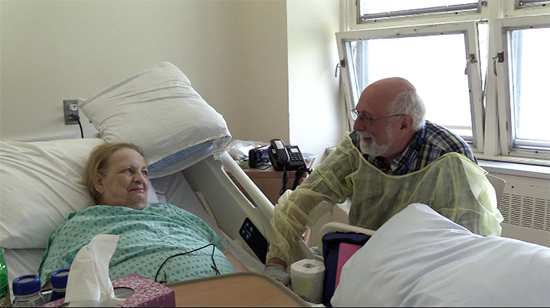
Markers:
point(420, 258)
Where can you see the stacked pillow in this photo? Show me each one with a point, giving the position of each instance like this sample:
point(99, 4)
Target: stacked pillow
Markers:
point(159, 110)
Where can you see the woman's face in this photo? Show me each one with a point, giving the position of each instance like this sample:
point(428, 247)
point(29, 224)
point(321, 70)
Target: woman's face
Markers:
point(125, 182)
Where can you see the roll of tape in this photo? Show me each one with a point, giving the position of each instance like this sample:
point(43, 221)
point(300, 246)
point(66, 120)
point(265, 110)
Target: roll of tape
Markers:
point(306, 277)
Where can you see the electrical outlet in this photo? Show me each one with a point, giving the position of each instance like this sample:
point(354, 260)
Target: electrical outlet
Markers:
point(70, 107)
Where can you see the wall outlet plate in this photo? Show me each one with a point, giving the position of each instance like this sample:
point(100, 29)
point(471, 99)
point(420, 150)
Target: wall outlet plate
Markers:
point(70, 107)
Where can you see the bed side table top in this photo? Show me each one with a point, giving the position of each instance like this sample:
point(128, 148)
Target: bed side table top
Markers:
point(242, 289)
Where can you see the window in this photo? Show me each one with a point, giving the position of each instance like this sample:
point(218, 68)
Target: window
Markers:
point(373, 9)
point(531, 3)
point(486, 86)
point(523, 67)
point(434, 59)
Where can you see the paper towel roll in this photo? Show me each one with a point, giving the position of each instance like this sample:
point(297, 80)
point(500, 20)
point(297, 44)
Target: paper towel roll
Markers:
point(306, 277)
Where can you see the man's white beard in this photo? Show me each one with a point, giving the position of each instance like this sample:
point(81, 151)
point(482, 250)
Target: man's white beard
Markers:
point(374, 149)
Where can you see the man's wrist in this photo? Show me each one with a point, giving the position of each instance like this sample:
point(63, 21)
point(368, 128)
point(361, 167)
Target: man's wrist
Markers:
point(277, 261)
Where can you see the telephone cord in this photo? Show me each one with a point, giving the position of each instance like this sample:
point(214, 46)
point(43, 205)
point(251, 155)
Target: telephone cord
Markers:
point(284, 180)
point(299, 173)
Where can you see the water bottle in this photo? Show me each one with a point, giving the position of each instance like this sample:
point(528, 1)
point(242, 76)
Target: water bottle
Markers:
point(4, 283)
point(58, 281)
point(26, 291)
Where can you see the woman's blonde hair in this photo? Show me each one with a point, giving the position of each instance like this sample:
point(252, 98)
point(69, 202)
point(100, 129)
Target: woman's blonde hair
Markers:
point(98, 163)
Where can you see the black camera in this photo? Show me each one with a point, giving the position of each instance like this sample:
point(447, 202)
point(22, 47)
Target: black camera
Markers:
point(258, 156)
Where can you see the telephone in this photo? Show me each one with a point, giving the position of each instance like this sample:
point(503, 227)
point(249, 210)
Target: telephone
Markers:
point(285, 157)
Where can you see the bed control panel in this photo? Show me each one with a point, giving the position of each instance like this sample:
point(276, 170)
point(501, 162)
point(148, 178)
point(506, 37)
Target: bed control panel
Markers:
point(254, 239)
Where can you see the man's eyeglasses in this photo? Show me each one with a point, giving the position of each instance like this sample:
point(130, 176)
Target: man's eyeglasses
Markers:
point(371, 121)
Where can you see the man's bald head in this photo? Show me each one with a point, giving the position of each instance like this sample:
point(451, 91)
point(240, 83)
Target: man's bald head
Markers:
point(384, 91)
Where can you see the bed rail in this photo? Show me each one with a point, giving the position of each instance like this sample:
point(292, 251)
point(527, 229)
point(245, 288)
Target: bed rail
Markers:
point(265, 206)
point(262, 202)
point(229, 205)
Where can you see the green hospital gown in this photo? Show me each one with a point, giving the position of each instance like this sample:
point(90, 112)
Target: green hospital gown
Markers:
point(148, 238)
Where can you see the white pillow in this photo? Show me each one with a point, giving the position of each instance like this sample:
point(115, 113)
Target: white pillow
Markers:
point(420, 258)
point(159, 110)
point(152, 196)
point(41, 183)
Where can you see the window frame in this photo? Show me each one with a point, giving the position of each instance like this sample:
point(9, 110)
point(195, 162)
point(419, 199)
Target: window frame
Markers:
point(351, 17)
point(454, 9)
point(468, 29)
point(529, 3)
point(503, 76)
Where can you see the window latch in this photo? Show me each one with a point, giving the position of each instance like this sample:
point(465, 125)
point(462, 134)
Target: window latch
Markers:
point(339, 65)
point(471, 59)
point(500, 59)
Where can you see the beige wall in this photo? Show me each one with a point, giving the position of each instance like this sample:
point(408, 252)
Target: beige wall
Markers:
point(316, 118)
point(267, 66)
point(262, 71)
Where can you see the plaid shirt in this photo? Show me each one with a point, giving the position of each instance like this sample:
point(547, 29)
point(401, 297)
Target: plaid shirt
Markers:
point(437, 141)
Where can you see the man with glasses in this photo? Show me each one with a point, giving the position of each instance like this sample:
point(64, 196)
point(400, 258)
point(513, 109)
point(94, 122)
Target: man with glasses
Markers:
point(391, 132)
point(393, 158)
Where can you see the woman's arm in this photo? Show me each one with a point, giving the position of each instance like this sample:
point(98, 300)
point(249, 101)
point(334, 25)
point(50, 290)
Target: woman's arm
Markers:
point(239, 267)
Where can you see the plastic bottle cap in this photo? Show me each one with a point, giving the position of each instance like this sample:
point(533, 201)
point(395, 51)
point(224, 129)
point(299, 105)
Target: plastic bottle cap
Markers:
point(59, 278)
point(26, 285)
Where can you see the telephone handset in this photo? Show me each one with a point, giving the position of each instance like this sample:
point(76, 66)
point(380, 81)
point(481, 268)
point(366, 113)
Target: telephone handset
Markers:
point(284, 157)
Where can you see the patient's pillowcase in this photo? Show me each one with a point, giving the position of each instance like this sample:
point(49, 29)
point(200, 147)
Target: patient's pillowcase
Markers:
point(40, 184)
point(159, 110)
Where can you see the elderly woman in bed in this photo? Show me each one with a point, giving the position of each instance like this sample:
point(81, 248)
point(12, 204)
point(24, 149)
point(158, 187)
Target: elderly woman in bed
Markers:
point(161, 242)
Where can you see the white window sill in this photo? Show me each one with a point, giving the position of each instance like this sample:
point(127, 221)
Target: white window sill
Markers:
point(508, 168)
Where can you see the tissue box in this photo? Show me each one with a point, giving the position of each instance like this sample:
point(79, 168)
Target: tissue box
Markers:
point(147, 293)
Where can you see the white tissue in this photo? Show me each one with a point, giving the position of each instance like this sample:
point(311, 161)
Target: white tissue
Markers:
point(89, 284)
point(306, 278)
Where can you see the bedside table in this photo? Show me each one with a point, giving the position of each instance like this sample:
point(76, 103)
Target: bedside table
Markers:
point(269, 180)
point(243, 289)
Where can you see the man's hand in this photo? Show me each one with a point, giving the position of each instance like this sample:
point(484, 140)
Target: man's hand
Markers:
point(277, 272)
